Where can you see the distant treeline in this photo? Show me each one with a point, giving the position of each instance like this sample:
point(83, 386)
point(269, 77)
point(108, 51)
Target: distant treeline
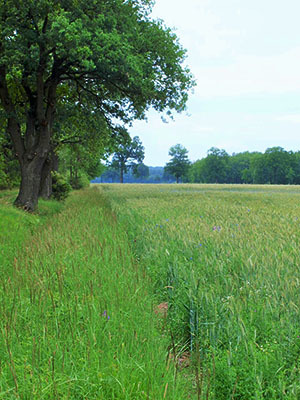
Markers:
point(274, 166)
point(143, 174)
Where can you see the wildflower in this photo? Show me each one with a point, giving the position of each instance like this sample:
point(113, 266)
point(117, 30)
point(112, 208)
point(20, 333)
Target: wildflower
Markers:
point(217, 228)
point(105, 315)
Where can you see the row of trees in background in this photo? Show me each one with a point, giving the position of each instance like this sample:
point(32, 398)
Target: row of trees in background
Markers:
point(274, 166)
point(143, 174)
point(127, 166)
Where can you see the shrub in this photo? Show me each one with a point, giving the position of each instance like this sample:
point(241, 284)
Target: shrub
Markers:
point(60, 187)
point(9, 172)
point(3, 178)
point(80, 182)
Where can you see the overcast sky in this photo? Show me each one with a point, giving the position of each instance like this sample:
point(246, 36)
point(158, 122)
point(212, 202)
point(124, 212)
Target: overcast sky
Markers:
point(245, 56)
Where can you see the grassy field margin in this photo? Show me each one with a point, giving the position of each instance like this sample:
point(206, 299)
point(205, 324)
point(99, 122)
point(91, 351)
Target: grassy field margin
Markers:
point(76, 311)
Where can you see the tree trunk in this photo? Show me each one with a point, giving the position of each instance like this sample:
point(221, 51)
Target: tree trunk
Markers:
point(121, 175)
point(51, 164)
point(46, 180)
point(36, 150)
point(31, 172)
point(31, 146)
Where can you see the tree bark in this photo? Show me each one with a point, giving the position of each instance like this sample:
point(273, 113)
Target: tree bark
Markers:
point(46, 180)
point(121, 175)
point(51, 164)
point(71, 173)
point(31, 171)
point(32, 159)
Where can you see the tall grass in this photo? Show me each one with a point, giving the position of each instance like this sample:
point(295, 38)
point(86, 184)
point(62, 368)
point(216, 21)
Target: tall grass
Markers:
point(15, 226)
point(226, 259)
point(76, 309)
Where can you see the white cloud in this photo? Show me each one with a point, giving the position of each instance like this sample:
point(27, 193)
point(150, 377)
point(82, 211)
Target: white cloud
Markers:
point(293, 118)
point(205, 129)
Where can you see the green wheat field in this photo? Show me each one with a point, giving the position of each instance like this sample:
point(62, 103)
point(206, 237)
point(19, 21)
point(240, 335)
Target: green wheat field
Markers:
point(152, 292)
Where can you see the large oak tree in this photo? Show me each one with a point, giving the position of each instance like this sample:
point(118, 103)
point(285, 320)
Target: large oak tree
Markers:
point(107, 55)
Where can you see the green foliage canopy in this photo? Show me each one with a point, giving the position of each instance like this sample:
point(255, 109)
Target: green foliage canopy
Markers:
point(110, 51)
